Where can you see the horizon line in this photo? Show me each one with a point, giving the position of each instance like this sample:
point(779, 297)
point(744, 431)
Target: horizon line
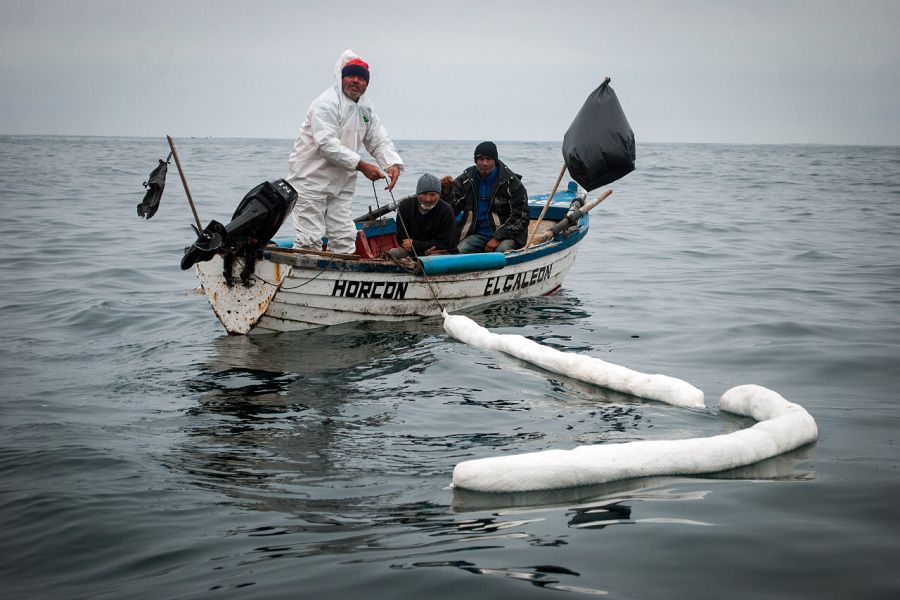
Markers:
point(520, 141)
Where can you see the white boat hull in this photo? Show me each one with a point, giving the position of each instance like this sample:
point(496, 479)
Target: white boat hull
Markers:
point(289, 297)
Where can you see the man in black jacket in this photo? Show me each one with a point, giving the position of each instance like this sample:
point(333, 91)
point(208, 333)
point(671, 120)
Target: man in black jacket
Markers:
point(425, 223)
point(493, 204)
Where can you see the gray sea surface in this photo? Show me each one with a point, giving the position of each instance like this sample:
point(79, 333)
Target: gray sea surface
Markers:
point(144, 453)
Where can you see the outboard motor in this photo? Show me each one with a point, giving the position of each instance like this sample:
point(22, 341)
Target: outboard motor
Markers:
point(256, 220)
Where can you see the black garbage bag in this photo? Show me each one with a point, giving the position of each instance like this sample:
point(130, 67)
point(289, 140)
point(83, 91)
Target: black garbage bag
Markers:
point(598, 148)
point(155, 185)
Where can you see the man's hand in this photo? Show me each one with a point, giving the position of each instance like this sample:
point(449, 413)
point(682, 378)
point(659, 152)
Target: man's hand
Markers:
point(446, 186)
point(372, 172)
point(407, 245)
point(491, 245)
point(394, 173)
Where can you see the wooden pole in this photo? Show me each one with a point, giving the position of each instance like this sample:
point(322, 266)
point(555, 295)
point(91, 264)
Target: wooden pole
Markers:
point(548, 235)
point(184, 182)
point(546, 206)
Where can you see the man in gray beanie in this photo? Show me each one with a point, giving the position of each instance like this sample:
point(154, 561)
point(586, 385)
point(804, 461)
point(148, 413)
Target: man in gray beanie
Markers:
point(425, 224)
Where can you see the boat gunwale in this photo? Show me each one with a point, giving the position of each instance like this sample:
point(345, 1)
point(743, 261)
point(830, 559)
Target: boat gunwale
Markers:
point(334, 263)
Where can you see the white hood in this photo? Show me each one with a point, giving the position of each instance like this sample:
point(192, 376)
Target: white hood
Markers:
point(336, 128)
point(346, 56)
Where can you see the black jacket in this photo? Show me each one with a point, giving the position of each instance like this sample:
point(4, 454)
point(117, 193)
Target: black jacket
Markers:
point(435, 228)
point(507, 208)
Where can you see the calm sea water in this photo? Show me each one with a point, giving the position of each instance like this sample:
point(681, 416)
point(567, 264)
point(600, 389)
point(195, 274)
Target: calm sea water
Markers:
point(146, 454)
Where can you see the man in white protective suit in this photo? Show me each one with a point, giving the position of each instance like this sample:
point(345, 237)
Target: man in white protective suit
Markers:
point(325, 158)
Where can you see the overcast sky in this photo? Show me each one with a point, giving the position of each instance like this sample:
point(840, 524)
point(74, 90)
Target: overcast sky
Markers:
point(685, 71)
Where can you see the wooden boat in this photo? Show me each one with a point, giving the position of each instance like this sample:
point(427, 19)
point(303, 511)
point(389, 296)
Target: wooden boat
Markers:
point(292, 289)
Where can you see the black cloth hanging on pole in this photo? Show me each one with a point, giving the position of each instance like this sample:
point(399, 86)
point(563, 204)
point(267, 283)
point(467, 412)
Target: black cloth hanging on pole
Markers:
point(598, 148)
point(155, 185)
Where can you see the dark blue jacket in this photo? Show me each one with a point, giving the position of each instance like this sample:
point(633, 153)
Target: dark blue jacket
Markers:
point(507, 208)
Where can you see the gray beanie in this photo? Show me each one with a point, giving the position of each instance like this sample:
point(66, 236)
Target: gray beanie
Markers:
point(428, 183)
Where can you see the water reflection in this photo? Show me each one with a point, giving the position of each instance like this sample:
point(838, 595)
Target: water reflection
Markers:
point(344, 348)
point(791, 466)
point(543, 576)
point(466, 500)
point(599, 516)
point(275, 415)
point(333, 436)
point(310, 412)
point(558, 309)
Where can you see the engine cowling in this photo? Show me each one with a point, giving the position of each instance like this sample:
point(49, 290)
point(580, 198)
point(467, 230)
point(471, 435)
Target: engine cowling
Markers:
point(256, 219)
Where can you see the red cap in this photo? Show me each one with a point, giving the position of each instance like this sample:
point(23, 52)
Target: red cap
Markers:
point(358, 61)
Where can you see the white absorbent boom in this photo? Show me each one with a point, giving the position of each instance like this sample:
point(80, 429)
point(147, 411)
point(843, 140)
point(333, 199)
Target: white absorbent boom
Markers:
point(782, 426)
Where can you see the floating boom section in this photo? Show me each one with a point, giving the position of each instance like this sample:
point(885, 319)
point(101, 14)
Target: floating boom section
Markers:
point(782, 426)
point(585, 368)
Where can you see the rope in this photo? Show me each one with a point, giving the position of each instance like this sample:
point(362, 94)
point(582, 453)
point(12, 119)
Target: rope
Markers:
point(377, 206)
point(275, 285)
point(415, 254)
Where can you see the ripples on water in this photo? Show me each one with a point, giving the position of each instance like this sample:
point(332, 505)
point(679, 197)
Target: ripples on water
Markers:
point(147, 454)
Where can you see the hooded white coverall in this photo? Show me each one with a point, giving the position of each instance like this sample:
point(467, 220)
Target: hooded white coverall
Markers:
point(322, 165)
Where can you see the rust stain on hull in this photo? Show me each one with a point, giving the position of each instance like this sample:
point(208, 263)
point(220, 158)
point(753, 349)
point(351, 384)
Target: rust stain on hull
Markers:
point(239, 308)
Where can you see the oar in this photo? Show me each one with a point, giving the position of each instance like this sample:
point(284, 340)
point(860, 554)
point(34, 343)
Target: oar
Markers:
point(546, 206)
point(184, 182)
point(571, 218)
